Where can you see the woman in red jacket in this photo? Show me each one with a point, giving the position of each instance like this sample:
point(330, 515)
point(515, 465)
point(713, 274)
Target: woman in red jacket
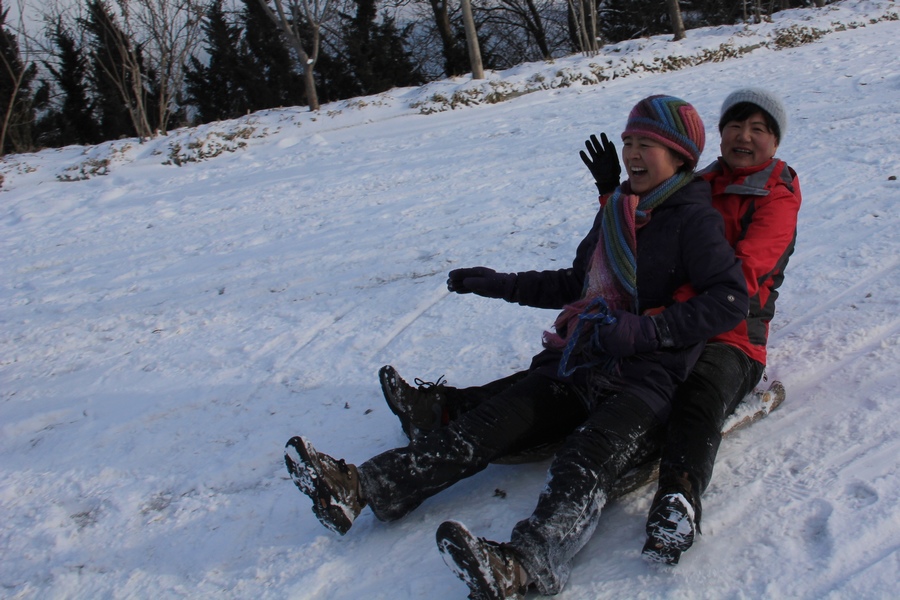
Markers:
point(758, 195)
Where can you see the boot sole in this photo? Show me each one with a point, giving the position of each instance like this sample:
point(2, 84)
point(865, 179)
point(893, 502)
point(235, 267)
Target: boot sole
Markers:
point(655, 552)
point(303, 465)
point(387, 376)
point(662, 545)
point(462, 552)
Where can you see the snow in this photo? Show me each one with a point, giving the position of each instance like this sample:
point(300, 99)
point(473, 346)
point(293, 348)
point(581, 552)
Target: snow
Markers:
point(166, 329)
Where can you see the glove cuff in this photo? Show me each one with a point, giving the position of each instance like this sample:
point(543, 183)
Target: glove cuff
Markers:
point(510, 287)
point(606, 186)
point(663, 333)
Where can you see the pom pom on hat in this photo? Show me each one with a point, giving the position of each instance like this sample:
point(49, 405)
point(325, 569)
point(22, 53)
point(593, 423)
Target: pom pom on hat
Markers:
point(764, 99)
point(670, 121)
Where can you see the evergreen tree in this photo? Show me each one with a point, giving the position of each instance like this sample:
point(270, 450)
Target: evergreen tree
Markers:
point(391, 57)
point(17, 101)
point(334, 75)
point(249, 67)
point(125, 90)
point(72, 122)
point(270, 78)
point(152, 96)
point(107, 72)
point(216, 89)
point(376, 51)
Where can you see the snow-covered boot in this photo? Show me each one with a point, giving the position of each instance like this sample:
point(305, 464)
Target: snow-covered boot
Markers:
point(331, 484)
point(673, 522)
point(491, 570)
point(421, 408)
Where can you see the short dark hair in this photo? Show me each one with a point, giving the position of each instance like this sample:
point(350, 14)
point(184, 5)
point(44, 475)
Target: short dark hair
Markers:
point(743, 111)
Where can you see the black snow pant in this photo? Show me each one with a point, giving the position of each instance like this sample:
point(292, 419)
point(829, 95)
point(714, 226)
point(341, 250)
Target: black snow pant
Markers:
point(461, 400)
point(604, 436)
point(719, 381)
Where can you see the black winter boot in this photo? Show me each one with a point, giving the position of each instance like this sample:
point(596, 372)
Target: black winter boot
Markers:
point(331, 484)
point(421, 408)
point(491, 570)
point(673, 522)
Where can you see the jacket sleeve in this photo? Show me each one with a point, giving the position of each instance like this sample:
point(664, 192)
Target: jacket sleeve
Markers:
point(720, 301)
point(770, 232)
point(555, 289)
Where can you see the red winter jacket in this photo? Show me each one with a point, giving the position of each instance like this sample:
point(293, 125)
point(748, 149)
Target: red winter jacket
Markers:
point(760, 206)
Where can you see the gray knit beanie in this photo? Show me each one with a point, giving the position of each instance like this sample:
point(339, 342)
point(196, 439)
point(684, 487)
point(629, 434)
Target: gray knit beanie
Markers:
point(766, 100)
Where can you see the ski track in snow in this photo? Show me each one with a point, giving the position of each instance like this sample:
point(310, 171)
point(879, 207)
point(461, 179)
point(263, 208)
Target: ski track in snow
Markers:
point(166, 330)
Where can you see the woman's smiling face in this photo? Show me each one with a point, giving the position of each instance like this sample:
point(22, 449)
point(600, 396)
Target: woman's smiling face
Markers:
point(648, 163)
point(749, 142)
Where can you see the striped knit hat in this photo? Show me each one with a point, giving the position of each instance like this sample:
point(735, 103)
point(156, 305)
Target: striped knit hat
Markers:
point(670, 121)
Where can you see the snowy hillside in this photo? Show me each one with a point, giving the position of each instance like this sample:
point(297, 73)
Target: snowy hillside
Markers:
point(166, 329)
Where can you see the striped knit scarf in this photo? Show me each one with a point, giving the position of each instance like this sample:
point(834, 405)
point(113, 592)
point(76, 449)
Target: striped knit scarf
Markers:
point(611, 281)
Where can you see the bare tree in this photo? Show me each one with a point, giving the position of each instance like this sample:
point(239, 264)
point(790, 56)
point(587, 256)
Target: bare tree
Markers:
point(584, 15)
point(440, 10)
point(675, 18)
point(118, 56)
point(756, 7)
point(142, 47)
point(17, 73)
point(534, 23)
point(472, 40)
point(171, 30)
point(293, 17)
point(534, 18)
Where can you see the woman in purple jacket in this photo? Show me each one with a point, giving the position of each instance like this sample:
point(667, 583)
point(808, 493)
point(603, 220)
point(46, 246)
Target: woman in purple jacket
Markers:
point(604, 381)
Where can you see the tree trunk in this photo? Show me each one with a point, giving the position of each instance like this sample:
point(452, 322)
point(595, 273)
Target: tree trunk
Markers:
point(536, 25)
point(309, 86)
point(289, 28)
point(138, 107)
point(442, 22)
point(472, 40)
point(16, 79)
point(584, 20)
point(675, 19)
point(593, 25)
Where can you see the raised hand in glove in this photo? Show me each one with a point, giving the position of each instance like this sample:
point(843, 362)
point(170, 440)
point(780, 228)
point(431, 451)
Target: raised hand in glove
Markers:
point(602, 160)
point(630, 334)
point(482, 281)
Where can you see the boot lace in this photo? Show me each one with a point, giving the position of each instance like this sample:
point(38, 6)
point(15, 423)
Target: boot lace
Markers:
point(427, 385)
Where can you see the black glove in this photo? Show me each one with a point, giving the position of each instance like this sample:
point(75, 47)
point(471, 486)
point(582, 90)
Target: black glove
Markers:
point(482, 281)
point(631, 334)
point(603, 163)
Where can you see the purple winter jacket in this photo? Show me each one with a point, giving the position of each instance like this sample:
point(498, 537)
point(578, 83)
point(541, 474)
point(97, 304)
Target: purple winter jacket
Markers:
point(684, 243)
